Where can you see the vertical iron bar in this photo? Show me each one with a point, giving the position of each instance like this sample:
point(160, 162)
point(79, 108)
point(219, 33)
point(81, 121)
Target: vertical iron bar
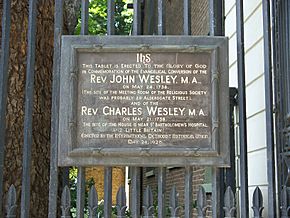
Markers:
point(53, 180)
point(231, 172)
point(287, 57)
point(11, 205)
point(222, 190)
point(257, 205)
point(269, 110)
point(242, 109)
point(65, 203)
point(84, 17)
point(282, 65)
point(276, 91)
point(229, 204)
point(188, 192)
point(212, 21)
point(108, 170)
point(216, 204)
point(81, 180)
point(111, 17)
point(287, 48)
point(201, 204)
point(4, 62)
point(279, 123)
point(161, 170)
point(187, 17)
point(65, 176)
point(108, 192)
point(161, 17)
point(284, 72)
point(81, 188)
point(137, 17)
point(216, 14)
point(29, 91)
point(216, 17)
point(150, 28)
point(135, 200)
point(279, 94)
point(161, 191)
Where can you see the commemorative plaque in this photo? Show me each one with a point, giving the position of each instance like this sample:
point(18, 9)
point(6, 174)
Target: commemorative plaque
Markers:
point(154, 101)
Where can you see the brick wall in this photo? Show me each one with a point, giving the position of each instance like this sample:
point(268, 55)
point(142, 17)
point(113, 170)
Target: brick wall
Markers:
point(175, 177)
point(97, 173)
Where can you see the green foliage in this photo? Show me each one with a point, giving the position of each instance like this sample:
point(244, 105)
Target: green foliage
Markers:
point(73, 173)
point(98, 18)
point(114, 211)
point(73, 187)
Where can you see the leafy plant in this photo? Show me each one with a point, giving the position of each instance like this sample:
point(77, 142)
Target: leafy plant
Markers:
point(73, 188)
point(98, 18)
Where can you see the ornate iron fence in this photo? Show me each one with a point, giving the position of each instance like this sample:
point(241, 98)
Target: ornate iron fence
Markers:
point(148, 208)
point(223, 200)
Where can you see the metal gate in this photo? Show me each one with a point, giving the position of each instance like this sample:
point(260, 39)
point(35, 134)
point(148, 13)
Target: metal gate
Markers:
point(223, 200)
point(281, 35)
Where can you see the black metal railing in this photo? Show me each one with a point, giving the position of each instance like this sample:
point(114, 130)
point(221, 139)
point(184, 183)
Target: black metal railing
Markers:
point(4, 63)
point(280, 35)
point(281, 66)
point(148, 208)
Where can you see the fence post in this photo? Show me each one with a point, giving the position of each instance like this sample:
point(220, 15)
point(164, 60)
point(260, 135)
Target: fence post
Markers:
point(121, 203)
point(229, 202)
point(28, 114)
point(4, 64)
point(65, 203)
point(11, 203)
point(284, 202)
point(93, 202)
point(174, 208)
point(242, 110)
point(53, 175)
point(148, 208)
point(201, 203)
point(257, 203)
point(188, 192)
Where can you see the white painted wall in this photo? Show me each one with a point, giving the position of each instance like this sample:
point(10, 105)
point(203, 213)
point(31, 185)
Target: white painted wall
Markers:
point(257, 165)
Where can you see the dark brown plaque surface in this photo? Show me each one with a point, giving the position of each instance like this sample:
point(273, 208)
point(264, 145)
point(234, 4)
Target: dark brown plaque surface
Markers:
point(165, 102)
point(149, 102)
